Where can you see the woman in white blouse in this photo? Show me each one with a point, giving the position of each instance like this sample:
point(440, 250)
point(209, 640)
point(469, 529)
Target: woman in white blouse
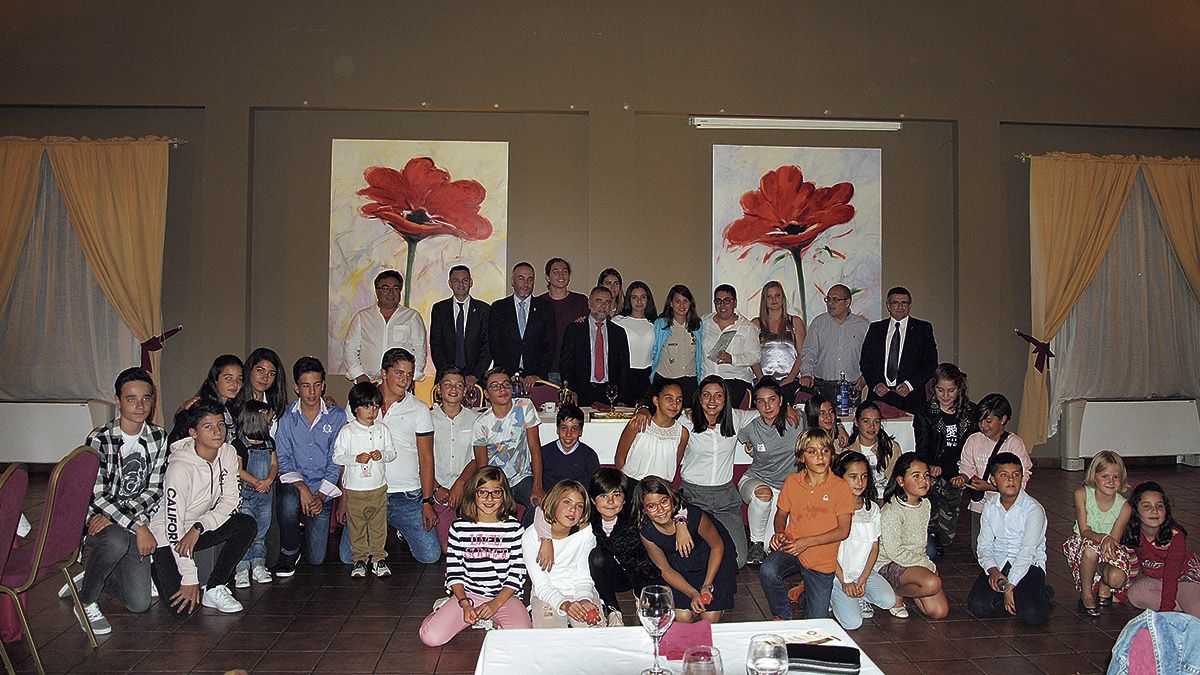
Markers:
point(637, 317)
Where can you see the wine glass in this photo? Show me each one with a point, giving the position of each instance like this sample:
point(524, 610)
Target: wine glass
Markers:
point(656, 610)
point(702, 660)
point(767, 655)
point(611, 392)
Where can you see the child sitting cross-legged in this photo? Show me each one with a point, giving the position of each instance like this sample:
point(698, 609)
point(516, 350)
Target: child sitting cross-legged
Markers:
point(1011, 549)
point(364, 447)
point(485, 570)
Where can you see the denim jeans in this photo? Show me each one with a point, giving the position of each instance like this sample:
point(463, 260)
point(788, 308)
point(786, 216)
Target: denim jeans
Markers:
point(115, 565)
point(257, 504)
point(316, 528)
point(846, 609)
point(818, 586)
point(403, 514)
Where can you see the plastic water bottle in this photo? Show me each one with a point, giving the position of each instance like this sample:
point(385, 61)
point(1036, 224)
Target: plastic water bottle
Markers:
point(843, 396)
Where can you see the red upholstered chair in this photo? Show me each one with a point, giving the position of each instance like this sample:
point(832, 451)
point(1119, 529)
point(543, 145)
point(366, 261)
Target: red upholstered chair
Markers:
point(59, 536)
point(888, 411)
point(12, 491)
point(543, 392)
point(802, 397)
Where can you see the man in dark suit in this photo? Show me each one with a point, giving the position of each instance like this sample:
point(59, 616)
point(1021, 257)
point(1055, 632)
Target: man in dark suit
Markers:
point(521, 330)
point(458, 329)
point(899, 355)
point(595, 353)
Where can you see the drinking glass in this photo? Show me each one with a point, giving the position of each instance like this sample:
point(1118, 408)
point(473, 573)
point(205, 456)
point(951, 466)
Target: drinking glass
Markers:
point(702, 660)
point(767, 655)
point(611, 392)
point(656, 610)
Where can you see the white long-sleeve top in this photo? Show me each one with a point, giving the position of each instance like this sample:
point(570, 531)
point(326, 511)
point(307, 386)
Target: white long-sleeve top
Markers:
point(744, 350)
point(356, 438)
point(369, 337)
point(708, 458)
point(1015, 535)
point(195, 490)
point(569, 578)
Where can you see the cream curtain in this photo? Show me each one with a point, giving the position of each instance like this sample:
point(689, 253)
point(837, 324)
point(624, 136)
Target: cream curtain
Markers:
point(1131, 335)
point(1075, 202)
point(19, 159)
point(60, 337)
point(1175, 187)
point(116, 194)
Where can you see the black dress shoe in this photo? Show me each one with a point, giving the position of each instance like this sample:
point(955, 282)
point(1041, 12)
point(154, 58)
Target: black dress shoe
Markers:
point(1090, 611)
point(1102, 601)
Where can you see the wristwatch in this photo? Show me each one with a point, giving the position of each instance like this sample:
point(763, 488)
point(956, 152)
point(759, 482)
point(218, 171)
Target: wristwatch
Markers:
point(198, 526)
point(427, 500)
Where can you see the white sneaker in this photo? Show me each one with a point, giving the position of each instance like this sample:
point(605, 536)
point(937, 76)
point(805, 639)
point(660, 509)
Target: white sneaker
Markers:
point(867, 610)
point(261, 575)
point(65, 591)
point(100, 625)
point(221, 599)
point(241, 578)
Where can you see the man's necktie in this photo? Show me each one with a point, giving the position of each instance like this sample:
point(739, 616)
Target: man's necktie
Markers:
point(893, 359)
point(460, 337)
point(600, 359)
point(522, 317)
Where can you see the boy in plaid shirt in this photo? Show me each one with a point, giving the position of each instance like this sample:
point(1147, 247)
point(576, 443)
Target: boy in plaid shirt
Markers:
point(133, 457)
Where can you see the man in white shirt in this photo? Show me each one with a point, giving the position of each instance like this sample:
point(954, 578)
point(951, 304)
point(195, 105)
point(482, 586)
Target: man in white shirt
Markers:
point(832, 346)
point(1011, 549)
point(385, 325)
point(410, 477)
point(734, 361)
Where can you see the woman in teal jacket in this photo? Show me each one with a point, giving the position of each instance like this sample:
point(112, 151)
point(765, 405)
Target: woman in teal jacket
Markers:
point(678, 348)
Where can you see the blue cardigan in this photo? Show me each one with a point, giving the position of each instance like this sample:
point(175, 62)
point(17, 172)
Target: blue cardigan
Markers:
point(662, 330)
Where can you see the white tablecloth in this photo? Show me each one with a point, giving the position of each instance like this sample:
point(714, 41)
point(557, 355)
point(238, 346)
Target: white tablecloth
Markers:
point(615, 651)
point(602, 435)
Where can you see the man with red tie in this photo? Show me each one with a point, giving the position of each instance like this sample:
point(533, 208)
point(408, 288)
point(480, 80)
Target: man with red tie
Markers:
point(595, 353)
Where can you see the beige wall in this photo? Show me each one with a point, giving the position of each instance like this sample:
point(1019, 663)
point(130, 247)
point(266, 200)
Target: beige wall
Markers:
point(593, 98)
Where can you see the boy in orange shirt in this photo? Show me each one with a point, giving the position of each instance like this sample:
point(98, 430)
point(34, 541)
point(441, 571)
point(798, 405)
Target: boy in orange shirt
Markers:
point(815, 511)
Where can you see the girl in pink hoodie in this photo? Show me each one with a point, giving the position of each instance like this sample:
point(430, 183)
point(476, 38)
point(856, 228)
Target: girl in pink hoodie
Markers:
point(198, 510)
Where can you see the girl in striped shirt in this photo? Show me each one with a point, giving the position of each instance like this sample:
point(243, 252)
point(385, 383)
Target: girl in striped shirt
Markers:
point(484, 567)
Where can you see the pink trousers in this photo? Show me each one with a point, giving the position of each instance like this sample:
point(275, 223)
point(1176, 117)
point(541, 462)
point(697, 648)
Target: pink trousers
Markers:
point(1146, 593)
point(440, 627)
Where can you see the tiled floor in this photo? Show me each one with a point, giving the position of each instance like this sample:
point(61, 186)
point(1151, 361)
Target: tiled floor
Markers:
point(322, 621)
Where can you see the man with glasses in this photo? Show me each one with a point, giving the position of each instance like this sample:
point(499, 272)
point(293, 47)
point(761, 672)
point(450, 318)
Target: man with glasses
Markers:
point(832, 346)
point(506, 436)
point(899, 355)
point(376, 329)
point(730, 344)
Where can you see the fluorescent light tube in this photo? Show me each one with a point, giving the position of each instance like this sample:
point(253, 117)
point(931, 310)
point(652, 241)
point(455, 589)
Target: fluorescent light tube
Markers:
point(791, 123)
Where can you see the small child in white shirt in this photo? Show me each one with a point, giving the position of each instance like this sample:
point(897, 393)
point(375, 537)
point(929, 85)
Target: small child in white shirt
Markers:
point(363, 447)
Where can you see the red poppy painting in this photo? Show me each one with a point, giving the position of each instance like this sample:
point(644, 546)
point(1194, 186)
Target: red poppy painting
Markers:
point(789, 217)
point(419, 207)
point(422, 201)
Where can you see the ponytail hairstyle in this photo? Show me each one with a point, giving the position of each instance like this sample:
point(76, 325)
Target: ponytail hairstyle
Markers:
point(883, 442)
point(903, 463)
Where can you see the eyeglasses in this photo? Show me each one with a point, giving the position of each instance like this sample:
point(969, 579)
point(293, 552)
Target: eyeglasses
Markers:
point(829, 299)
point(388, 289)
point(500, 386)
point(663, 504)
point(495, 493)
point(724, 301)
